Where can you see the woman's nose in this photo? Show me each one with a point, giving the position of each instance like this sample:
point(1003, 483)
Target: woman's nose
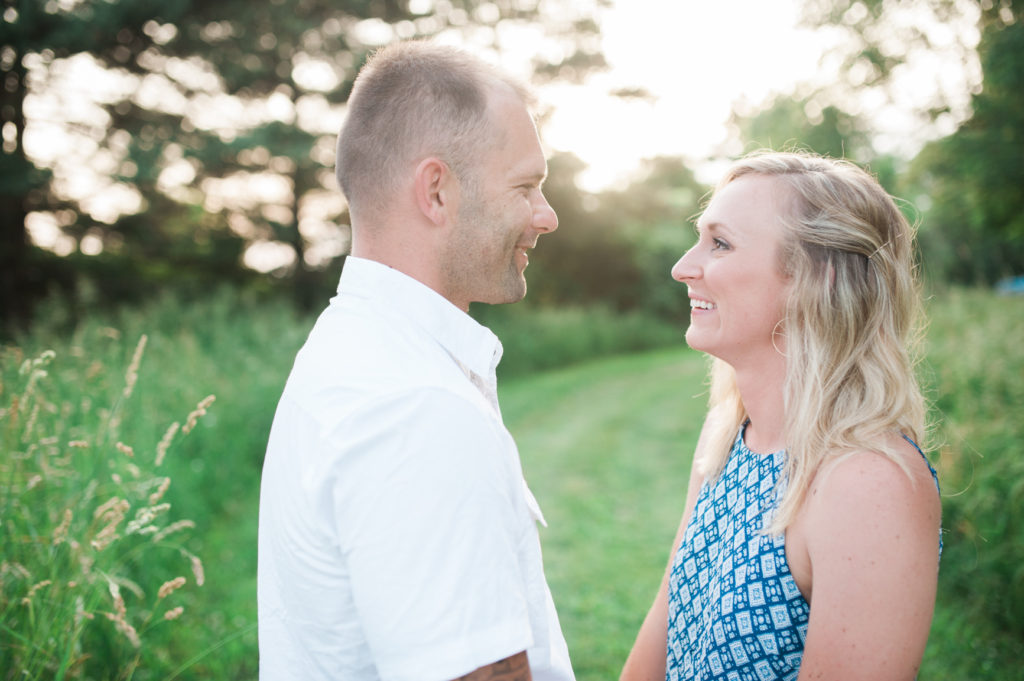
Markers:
point(685, 268)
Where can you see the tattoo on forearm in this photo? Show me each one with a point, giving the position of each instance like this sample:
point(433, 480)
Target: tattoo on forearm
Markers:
point(515, 668)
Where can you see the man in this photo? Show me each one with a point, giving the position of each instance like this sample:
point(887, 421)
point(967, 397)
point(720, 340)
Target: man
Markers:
point(397, 536)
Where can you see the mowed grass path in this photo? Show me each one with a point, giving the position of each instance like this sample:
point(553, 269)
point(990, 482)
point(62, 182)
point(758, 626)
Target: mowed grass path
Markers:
point(606, 448)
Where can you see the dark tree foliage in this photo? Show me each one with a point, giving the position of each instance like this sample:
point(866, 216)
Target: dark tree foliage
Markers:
point(974, 229)
point(970, 186)
point(965, 189)
point(200, 53)
point(616, 248)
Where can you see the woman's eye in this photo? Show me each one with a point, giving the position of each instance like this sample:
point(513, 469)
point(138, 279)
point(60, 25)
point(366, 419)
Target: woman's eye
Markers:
point(718, 244)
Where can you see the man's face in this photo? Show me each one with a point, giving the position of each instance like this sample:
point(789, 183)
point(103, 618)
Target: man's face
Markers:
point(502, 214)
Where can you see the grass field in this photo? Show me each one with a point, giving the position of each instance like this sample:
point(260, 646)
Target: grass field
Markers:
point(606, 449)
point(606, 446)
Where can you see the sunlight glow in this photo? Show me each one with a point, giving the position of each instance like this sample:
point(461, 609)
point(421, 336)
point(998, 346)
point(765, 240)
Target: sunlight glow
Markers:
point(697, 60)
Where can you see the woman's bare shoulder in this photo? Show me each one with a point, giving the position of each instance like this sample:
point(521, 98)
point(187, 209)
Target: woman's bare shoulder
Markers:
point(901, 470)
point(876, 491)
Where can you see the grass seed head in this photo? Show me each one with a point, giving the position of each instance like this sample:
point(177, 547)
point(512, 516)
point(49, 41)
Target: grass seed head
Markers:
point(160, 491)
point(144, 518)
point(172, 528)
point(197, 570)
point(115, 593)
point(112, 506)
point(165, 443)
point(112, 512)
point(61, 533)
point(167, 588)
point(30, 424)
point(80, 612)
point(132, 375)
point(8, 568)
point(125, 628)
point(197, 413)
point(32, 592)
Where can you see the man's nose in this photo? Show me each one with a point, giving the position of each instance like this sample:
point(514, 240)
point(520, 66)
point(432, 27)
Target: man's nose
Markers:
point(544, 217)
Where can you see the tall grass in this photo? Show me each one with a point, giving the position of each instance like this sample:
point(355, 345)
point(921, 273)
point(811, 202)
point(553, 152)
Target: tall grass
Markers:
point(106, 503)
point(974, 374)
point(229, 344)
point(605, 447)
point(92, 551)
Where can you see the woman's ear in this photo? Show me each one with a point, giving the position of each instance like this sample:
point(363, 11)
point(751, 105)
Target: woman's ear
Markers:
point(436, 189)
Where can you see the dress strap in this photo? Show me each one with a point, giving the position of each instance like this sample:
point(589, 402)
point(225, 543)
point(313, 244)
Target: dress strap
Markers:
point(935, 477)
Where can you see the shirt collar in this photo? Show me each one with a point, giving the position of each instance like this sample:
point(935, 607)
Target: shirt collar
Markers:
point(471, 344)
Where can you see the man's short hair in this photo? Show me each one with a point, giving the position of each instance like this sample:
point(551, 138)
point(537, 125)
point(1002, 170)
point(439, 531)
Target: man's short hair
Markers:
point(412, 100)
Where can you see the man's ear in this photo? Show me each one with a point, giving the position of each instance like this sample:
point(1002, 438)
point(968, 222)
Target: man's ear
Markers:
point(436, 189)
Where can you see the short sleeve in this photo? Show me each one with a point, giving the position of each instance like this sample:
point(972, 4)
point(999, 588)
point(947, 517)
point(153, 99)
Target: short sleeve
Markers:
point(430, 515)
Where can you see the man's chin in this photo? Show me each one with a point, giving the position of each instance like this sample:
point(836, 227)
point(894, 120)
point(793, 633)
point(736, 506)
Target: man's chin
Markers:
point(511, 295)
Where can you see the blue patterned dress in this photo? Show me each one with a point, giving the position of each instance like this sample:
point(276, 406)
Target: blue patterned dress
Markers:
point(735, 612)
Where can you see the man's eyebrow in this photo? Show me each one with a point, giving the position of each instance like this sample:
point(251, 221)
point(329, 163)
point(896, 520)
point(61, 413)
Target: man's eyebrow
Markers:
point(535, 177)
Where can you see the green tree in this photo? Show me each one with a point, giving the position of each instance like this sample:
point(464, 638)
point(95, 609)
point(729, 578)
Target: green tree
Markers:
point(792, 123)
point(967, 184)
point(880, 39)
point(616, 248)
point(208, 186)
point(974, 228)
point(801, 124)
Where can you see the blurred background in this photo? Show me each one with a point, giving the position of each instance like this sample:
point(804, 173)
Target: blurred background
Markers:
point(152, 145)
point(167, 173)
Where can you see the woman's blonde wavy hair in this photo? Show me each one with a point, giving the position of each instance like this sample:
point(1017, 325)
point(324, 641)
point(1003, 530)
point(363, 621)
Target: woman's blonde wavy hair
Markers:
point(850, 328)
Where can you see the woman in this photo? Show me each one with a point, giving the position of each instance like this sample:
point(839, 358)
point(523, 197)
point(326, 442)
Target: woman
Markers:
point(809, 544)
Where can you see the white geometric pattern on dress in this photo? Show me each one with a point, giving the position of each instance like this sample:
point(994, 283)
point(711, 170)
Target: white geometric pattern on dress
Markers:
point(735, 612)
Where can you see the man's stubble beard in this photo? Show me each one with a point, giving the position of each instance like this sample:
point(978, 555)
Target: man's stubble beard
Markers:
point(481, 259)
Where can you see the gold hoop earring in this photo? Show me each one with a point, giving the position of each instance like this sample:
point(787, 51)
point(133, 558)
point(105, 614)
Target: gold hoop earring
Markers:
point(775, 332)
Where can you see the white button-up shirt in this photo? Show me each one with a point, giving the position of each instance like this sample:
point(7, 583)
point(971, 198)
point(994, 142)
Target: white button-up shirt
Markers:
point(397, 537)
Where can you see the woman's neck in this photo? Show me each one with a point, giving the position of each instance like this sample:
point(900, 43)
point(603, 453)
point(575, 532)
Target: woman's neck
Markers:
point(762, 391)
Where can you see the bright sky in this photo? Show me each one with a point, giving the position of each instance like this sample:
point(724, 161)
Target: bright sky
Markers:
point(698, 59)
point(701, 59)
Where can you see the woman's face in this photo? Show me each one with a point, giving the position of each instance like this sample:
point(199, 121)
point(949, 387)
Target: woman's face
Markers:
point(737, 293)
